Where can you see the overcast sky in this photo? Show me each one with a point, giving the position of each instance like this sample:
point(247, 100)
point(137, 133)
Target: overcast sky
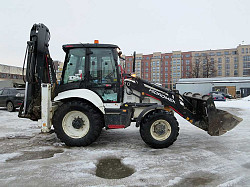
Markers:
point(144, 26)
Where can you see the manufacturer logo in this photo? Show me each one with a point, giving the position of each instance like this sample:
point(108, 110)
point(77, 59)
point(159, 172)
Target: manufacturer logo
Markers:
point(162, 95)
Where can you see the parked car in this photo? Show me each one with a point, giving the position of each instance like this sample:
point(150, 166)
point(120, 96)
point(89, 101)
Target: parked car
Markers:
point(218, 97)
point(11, 98)
point(222, 93)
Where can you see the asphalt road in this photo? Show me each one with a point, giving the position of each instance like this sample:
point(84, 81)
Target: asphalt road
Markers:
point(121, 158)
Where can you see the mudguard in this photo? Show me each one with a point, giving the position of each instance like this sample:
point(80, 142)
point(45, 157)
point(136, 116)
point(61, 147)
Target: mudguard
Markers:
point(83, 94)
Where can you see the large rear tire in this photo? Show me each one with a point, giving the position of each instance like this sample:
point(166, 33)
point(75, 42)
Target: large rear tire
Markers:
point(77, 123)
point(159, 129)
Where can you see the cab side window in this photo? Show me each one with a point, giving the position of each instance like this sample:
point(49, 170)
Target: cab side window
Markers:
point(75, 66)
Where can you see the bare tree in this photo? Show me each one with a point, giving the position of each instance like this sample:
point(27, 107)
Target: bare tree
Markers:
point(196, 71)
point(204, 67)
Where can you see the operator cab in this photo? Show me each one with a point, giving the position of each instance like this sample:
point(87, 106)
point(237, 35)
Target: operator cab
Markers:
point(94, 67)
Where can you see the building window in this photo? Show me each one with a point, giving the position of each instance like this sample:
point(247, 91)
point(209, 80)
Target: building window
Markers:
point(187, 55)
point(187, 62)
point(227, 72)
point(226, 52)
point(242, 50)
point(227, 59)
point(196, 54)
point(166, 63)
point(166, 56)
point(235, 72)
point(219, 73)
point(219, 60)
point(218, 53)
point(235, 59)
point(235, 66)
point(227, 66)
point(211, 54)
point(234, 52)
point(177, 56)
point(246, 58)
point(246, 50)
point(158, 63)
point(246, 72)
point(246, 64)
point(219, 66)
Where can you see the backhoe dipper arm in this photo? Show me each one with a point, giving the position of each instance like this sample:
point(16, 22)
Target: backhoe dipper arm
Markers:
point(39, 69)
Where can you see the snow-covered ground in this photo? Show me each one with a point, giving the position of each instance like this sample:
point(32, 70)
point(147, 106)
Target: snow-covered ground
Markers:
point(28, 158)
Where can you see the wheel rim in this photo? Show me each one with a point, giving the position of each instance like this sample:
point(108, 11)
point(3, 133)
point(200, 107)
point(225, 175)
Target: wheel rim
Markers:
point(160, 130)
point(9, 106)
point(76, 124)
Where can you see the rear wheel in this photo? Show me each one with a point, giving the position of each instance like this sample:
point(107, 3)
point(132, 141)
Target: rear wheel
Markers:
point(77, 123)
point(10, 107)
point(159, 129)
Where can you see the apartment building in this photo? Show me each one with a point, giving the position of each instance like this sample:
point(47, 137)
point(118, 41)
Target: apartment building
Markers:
point(167, 68)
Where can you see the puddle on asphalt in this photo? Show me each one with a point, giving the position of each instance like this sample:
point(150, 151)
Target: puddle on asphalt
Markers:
point(34, 155)
point(197, 179)
point(112, 168)
point(247, 165)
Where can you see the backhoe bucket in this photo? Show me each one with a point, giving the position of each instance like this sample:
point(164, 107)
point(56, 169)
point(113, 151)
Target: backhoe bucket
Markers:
point(216, 122)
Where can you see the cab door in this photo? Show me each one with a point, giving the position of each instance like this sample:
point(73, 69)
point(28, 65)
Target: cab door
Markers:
point(103, 76)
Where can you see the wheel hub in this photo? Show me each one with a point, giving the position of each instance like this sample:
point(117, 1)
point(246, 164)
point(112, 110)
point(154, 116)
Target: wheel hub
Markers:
point(160, 129)
point(77, 123)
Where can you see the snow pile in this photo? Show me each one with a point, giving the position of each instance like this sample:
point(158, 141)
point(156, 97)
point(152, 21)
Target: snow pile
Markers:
point(246, 98)
point(234, 103)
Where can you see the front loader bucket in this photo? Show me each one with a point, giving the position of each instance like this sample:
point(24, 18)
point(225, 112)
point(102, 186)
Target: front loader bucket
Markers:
point(220, 121)
point(216, 122)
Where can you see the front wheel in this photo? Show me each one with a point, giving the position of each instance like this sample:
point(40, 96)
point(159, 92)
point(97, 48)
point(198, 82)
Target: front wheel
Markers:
point(77, 123)
point(159, 129)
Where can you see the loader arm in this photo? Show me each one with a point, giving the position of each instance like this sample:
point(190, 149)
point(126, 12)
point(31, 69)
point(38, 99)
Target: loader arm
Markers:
point(197, 109)
point(39, 69)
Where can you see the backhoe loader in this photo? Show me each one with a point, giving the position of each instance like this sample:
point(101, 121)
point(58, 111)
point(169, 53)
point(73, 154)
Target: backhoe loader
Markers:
point(95, 93)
